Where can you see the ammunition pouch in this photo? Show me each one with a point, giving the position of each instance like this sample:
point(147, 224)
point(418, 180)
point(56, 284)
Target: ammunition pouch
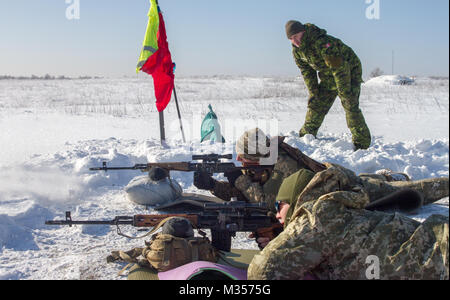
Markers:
point(166, 252)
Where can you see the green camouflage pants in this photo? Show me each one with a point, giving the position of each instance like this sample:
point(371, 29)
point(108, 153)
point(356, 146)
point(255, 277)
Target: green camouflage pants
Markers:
point(348, 88)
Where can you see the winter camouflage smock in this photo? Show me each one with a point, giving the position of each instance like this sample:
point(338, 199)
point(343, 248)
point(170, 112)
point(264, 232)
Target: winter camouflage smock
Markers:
point(331, 236)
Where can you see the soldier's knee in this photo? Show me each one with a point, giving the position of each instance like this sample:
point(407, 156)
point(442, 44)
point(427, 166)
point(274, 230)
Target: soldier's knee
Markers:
point(322, 104)
point(315, 105)
point(350, 105)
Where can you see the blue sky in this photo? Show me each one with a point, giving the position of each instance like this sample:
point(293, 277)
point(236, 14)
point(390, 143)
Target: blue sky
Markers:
point(209, 37)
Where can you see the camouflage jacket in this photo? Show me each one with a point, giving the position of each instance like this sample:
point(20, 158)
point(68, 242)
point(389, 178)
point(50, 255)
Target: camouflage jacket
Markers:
point(320, 52)
point(331, 236)
point(267, 192)
point(289, 161)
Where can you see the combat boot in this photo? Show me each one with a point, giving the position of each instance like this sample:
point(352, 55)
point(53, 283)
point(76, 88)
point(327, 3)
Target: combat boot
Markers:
point(358, 146)
point(432, 190)
point(393, 176)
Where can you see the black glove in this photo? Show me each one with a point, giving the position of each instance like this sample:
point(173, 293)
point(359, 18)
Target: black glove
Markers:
point(232, 176)
point(203, 181)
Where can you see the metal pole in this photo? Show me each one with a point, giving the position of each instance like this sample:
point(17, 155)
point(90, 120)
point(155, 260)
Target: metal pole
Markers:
point(161, 127)
point(179, 114)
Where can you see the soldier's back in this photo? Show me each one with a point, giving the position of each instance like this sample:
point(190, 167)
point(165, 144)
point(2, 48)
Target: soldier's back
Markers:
point(330, 241)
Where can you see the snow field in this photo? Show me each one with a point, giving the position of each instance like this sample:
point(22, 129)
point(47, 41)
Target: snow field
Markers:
point(51, 132)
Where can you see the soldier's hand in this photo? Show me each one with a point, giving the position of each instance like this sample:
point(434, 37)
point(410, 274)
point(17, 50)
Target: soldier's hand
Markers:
point(203, 181)
point(261, 241)
point(232, 176)
point(265, 235)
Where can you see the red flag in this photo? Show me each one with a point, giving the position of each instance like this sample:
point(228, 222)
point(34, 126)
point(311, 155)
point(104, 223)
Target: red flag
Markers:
point(160, 66)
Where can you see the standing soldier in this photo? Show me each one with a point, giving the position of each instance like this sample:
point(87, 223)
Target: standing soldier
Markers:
point(340, 73)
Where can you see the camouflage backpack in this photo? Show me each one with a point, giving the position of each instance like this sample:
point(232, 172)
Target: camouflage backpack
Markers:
point(173, 247)
point(167, 252)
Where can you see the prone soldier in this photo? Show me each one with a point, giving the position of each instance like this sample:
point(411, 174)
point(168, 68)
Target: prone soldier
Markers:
point(330, 231)
point(255, 148)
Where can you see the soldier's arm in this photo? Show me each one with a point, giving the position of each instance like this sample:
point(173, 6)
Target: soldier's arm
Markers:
point(309, 75)
point(221, 189)
point(253, 191)
point(226, 191)
point(330, 50)
point(304, 244)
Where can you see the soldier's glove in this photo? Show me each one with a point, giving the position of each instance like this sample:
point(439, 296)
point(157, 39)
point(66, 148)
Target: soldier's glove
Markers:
point(233, 176)
point(264, 235)
point(203, 181)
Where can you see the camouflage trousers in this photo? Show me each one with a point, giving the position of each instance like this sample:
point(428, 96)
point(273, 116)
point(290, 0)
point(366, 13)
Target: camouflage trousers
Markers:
point(348, 88)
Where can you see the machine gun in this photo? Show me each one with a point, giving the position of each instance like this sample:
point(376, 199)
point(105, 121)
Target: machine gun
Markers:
point(223, 219)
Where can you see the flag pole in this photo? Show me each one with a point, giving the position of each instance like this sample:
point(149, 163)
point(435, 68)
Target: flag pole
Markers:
point(178, 107)
point(179, 114)
point(161, 127)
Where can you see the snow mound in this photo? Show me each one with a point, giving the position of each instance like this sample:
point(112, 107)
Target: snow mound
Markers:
point(390, 80)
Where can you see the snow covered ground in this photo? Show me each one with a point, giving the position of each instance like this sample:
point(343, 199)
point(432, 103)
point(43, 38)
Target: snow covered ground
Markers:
point(51, 132)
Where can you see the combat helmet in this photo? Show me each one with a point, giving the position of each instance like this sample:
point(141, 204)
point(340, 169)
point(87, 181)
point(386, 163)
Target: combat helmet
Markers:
point(253, 145)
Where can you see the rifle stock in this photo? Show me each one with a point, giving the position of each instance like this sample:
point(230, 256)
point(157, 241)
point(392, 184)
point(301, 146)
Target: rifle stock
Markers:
point(145, 221)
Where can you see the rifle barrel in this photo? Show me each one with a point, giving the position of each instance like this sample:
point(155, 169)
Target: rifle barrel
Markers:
point(70, 222)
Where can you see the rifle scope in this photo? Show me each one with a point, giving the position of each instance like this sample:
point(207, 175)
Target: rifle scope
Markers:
point(212, 157)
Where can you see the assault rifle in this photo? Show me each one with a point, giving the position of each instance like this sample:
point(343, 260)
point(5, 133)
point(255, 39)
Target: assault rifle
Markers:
point(211, 164)
point(223, 219)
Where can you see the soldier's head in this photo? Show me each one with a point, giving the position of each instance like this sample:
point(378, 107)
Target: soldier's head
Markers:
point(282, 209)
point(178, 227)
point(289, 192)
point(252, 146)
point(295, 32)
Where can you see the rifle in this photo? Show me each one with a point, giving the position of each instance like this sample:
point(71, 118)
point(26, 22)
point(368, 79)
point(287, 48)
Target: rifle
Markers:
point(224, 220)
point(211, 164)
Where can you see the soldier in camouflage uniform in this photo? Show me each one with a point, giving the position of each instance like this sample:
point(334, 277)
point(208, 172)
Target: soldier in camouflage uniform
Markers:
point(331, 236)
point(340, 73)
point(253, 146)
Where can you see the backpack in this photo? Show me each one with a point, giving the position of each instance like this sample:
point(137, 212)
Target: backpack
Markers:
point(166, 252)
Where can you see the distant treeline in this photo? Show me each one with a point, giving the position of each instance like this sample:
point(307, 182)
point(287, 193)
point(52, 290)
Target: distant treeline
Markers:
point(46, 77)
point(439, 77)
